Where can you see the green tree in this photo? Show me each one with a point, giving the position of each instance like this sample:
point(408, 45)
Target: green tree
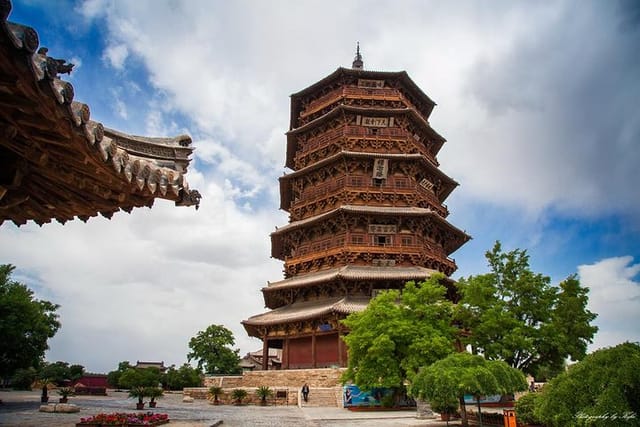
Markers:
point(59, 372)
point(516, 315)
point(76, 372)
point(113, 377)
point(398, 333)
point(601, 390)
point(211, 348)
point(22, 379)
point(140, 377)
point(26, 324)
point(525, 407)
point(449, 379)
point(185, 376)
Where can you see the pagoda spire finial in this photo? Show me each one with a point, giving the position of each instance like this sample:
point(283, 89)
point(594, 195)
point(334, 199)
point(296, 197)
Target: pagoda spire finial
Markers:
point(357, 62)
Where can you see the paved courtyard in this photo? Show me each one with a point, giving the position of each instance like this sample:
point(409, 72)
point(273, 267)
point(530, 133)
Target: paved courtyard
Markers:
point(21, 409)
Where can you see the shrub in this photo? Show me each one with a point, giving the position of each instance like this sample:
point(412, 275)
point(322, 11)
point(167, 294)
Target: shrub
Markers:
point(601, 390)
point(238, 395)
point(23, 378)
point(263, 393)
point(525, 406)
point(388, 400)
point(215, 392)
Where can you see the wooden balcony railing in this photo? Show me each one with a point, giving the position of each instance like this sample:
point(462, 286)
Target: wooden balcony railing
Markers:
point(339, 243)
point(385, 94)
point(357, 183)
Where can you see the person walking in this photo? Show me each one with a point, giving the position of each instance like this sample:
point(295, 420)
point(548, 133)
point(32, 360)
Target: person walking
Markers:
point(305, 392)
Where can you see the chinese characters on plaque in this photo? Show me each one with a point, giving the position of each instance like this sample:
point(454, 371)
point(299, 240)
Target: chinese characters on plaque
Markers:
point(382, 229)
point(380, 168)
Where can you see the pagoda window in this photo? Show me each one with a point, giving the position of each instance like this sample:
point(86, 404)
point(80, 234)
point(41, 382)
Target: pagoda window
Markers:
point(401, 182)
point(357, 239)
point(382, 240)
point(372, 131)
point(407, 240)
point(378, 182)
point(356, 181)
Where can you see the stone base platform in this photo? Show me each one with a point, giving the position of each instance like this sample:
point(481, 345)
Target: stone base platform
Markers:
point(63, 408)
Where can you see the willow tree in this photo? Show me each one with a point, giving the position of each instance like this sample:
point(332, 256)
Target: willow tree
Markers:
point(458, 374)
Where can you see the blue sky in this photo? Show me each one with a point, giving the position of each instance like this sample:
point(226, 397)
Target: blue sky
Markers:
point(538, 102)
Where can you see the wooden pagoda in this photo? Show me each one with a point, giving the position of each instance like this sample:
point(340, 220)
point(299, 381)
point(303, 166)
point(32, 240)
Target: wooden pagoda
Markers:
point(366, 213)
point(57, 163)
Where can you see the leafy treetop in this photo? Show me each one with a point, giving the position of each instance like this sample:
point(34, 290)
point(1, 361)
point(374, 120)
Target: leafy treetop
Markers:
point(398, 333)
point(211, 348)
point(140, 377)
point(516, 315)
point(601, 390)
point(449, 379)
point(26, 324)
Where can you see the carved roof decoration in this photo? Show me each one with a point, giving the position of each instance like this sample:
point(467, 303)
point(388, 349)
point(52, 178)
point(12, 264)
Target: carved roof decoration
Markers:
point(436, 140)
point(449, 184)
point(57, 163)
point(401, 76)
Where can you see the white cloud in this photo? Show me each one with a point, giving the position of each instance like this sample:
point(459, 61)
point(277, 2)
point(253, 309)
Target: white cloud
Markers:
point(91, 9)
point(116, 55)
point(615, 297)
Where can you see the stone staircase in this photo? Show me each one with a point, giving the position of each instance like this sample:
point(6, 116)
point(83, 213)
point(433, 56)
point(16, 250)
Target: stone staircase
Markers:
point(323, 396)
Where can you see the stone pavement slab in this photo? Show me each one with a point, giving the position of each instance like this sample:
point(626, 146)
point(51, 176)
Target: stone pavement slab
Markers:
point(20, 409)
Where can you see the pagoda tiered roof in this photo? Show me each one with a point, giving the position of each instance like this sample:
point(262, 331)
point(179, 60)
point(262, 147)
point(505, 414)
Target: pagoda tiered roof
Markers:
point(353, 272)
point(346, 273)
point(401, 76)
point(366, 214)
point(450, 246)
point(55, 162)
point(448, 186)
point(307, 310)
point(436, 141)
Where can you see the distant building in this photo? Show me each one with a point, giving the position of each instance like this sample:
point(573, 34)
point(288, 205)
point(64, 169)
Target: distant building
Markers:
point(94, 384)
point(366, 210)
point(159, 365)
point(254, 361)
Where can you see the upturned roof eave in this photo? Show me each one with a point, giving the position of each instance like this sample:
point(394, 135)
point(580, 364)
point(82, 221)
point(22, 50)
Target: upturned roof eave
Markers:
point(38, 76)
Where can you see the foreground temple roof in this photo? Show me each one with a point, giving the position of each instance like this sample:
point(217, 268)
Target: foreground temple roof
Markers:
point(57, 163)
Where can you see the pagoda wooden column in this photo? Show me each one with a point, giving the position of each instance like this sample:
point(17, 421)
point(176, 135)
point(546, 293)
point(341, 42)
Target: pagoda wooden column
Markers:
point(313, 349)
point(286, 352)
point(340, 344)
point(265, 353)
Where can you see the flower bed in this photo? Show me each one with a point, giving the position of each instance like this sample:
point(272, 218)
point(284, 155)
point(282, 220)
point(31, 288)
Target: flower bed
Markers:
point(125, 419)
